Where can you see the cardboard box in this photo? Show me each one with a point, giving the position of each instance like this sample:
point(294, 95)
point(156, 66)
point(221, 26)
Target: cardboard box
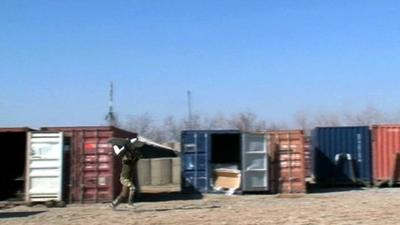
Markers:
point(227, 179)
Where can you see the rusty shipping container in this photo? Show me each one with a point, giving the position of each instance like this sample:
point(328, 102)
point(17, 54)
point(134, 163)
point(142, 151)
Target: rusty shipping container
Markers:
point(288, 166)
point(386, 153)
point(94, 168)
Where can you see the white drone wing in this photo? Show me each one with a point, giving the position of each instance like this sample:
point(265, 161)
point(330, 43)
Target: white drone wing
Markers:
point(144, 141)
point(118, 150)
point(139, 142)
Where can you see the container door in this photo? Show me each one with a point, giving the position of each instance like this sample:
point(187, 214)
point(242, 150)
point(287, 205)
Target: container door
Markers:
point(44, 166)
point(195, 171)
point(290, 164)
point(95, 173)
point(386, 150)
point(254, 162)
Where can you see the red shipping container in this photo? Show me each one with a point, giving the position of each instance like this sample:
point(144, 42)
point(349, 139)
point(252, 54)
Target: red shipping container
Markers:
point(93, 167)
point(386, 150)
point(287, 161)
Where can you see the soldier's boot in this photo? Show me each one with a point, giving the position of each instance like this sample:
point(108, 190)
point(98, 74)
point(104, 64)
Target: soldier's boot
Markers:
point(116, 202)
point(131, 197)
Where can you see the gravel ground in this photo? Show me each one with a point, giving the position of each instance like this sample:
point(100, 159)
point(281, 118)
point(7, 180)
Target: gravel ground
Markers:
point(339, 207)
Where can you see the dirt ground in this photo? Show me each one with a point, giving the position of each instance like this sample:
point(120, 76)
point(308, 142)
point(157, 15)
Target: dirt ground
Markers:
point(339, 207)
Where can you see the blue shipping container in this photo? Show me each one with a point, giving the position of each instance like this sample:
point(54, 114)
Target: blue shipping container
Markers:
point(342, 155)
point(195, 155)
point(206, 150)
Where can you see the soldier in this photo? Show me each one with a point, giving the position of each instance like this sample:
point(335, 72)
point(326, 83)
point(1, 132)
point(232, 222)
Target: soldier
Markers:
point(128, 151)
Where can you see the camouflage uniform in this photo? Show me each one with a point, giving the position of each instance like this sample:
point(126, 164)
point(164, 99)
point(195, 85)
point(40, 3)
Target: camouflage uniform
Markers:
point(128, 178)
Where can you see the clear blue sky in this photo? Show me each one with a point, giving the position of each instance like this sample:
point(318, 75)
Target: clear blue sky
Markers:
point(271, 57)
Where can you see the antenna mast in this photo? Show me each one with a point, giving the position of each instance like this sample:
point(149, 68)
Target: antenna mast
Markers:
point(110, 117)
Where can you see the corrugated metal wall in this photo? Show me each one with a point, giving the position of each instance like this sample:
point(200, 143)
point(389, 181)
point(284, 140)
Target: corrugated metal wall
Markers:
point(287, 156)
point(44, 172)
point(342, 155)
point(195, 161)
point(386, 150)
point(255, 164)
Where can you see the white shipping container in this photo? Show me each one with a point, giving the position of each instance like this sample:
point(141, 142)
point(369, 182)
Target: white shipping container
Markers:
point(44, 166)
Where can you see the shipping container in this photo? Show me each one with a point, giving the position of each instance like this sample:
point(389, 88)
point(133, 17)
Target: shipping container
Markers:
point(12, 163)
point(386, 151)
point(342, 155)
point(44, 167)
point(287, 161)
point(94, 168)
point(203, 151)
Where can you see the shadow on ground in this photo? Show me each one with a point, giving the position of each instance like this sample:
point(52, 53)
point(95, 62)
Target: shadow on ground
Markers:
point(322, 189)
point(167, 196)
point(182, 208)
point(4, 215)
point(178, 208)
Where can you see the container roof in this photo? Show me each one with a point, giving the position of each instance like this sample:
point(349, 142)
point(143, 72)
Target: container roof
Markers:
point(15, 129)
point(79, 128)
point(214, 131)
point(386, 125)
point(356, 126)
point(284, 131)
point(94, 128)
